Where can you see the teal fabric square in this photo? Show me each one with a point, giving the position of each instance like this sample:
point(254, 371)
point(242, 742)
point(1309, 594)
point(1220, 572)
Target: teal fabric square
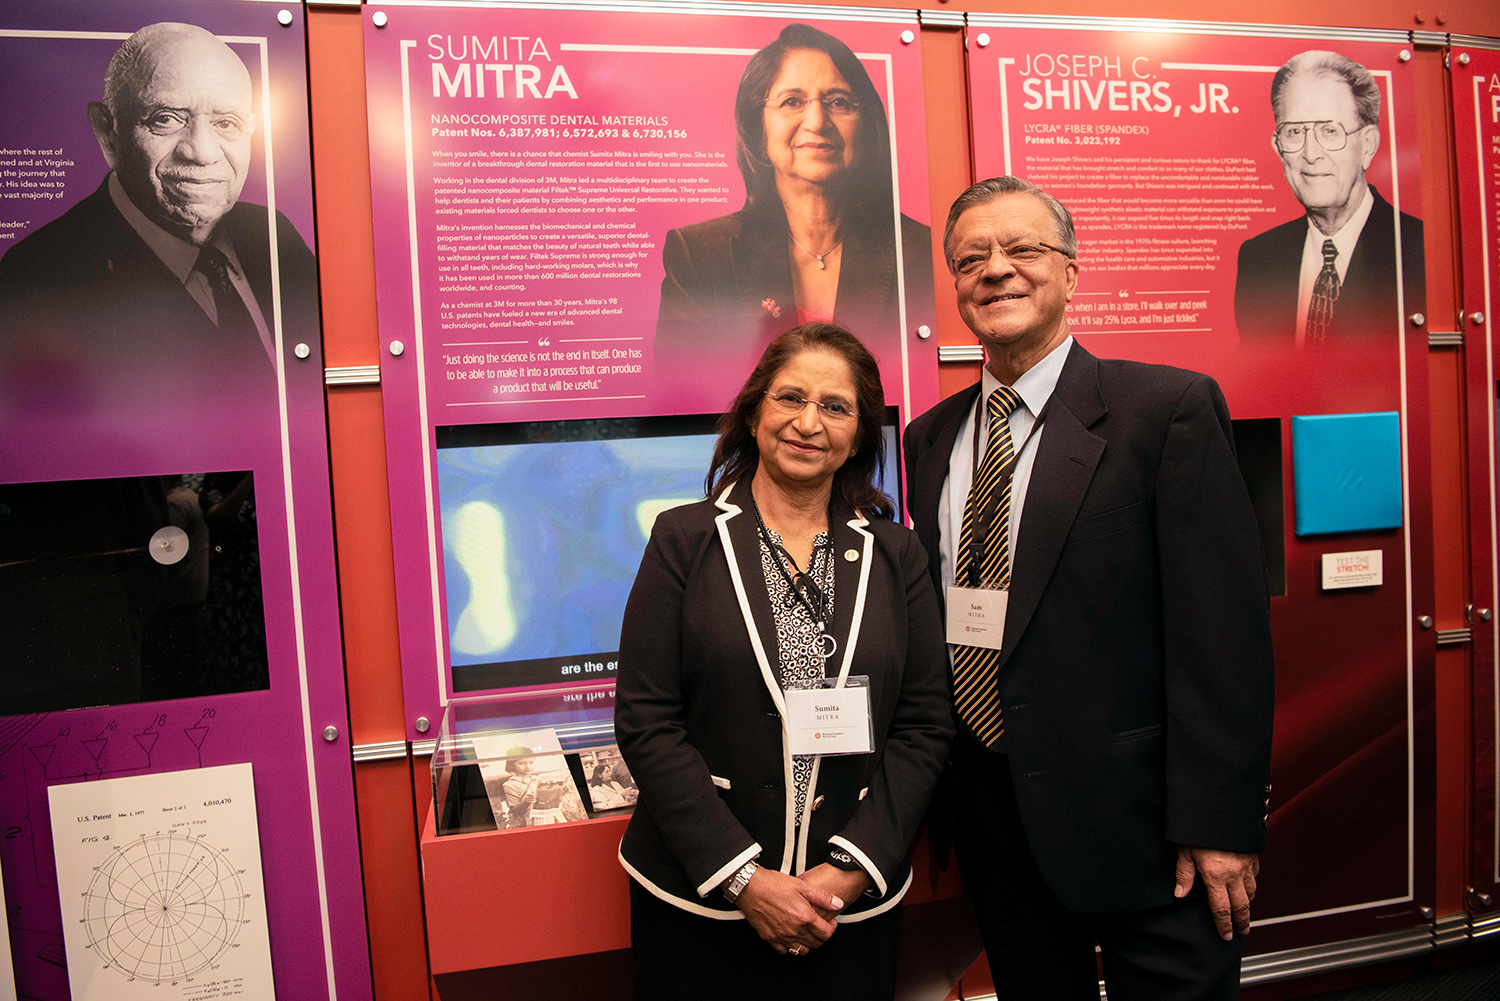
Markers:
point(1346, 472)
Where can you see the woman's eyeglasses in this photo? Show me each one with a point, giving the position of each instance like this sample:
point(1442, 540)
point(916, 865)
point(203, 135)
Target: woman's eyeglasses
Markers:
point(791, 405)
point(834, 105)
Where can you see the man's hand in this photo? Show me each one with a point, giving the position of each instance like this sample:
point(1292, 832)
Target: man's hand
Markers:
point(787, 912)
point(1229, 878)
point(844, 885)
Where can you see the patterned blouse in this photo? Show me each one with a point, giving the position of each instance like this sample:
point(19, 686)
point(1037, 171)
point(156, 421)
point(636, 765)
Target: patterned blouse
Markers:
point(797, 635)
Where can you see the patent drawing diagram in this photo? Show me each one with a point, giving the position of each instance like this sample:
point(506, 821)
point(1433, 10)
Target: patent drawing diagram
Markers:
point(163, 908)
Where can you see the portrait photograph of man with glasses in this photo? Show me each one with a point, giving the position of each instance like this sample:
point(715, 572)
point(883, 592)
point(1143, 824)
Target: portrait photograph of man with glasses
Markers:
point(1328, 278)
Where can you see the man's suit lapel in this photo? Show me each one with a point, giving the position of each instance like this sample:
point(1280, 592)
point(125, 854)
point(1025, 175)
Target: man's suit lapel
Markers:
point(248, 228)
point(1067, 454)
point(1371, 274)
point(135, 275)
point(1283, 274)
point(931, 471)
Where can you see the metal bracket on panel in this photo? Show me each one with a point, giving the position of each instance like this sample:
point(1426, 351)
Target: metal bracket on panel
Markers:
point(388, 750)
point(315, 4)
point(352, 375)
point(1474, 42)
point(941, 18)
point(960, 352)
point(1438, 39)
point(1454, 637)
point(1445, 338)
point(1484, 927)
point(1450, 931)
point(423, 748)
point(1272, 966)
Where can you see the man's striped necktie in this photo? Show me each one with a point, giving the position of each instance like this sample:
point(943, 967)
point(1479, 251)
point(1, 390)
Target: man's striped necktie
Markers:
point(975, 668)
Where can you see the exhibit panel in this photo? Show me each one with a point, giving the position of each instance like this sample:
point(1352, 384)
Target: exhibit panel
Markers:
point(565, 231)
point(1475, 64)
point(1193, 201)
point(167, 582)
point(172, 678)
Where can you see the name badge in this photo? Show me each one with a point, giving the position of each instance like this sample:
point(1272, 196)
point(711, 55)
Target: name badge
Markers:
point(831, 720)
point(976, 616)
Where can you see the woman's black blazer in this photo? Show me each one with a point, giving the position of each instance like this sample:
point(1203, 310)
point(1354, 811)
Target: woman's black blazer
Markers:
point(699, 711)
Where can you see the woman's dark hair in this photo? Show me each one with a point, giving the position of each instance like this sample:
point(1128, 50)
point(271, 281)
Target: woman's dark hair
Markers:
point(736, 454)
point(870, 173)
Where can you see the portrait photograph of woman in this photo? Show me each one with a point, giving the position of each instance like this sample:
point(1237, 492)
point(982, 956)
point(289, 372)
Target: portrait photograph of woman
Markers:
point(818, 238)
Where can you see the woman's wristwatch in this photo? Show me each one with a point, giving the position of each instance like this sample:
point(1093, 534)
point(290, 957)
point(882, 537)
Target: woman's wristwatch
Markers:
point(739, 881)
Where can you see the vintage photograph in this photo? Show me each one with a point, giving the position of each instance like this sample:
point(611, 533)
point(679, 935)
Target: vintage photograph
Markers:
point(609, 781)
point(527, 780)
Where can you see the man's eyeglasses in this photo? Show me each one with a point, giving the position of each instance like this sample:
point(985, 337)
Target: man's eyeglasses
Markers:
point(1017, 253)
point(791, 405)
point(834, 105)
point(1331, 136)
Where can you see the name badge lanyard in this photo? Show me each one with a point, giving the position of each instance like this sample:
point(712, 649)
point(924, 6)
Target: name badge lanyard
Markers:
point(985, 516)
point(803, 587)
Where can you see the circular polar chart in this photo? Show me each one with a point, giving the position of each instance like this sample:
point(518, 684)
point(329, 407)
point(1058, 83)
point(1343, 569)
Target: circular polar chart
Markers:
point(163, 908)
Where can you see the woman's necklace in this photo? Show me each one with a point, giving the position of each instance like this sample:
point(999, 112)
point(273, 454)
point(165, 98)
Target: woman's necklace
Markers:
point(802, 588)
point(817, 257)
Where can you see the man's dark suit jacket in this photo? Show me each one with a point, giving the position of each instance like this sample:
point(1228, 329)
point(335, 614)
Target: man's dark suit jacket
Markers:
point(700, 718)
point(719, 272)
point(90, 315)
point(1136, 671)
point(1270, 267)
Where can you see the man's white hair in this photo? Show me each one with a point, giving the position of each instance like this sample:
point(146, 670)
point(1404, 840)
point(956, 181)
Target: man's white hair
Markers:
point(122, 80)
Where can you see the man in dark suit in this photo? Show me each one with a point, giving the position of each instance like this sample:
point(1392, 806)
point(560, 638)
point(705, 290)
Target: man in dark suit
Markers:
point(154, 294)
point(1331, 275)
point(1113, 670)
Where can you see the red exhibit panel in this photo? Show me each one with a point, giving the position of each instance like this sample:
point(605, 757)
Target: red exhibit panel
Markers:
point(1475, 66)
point(168, 596)
point(1192, 211)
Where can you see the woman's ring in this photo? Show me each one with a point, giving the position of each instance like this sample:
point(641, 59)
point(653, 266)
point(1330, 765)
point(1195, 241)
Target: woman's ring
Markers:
point(795, 950)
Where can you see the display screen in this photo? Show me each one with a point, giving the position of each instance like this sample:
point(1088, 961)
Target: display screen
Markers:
point(543, 526)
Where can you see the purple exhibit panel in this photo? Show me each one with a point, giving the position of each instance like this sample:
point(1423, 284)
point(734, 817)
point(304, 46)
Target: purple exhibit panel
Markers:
point(167, 569)
point(594, 214)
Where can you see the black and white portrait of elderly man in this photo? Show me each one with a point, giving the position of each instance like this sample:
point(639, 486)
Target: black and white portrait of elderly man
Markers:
point(161, 279)
point(1329, 276)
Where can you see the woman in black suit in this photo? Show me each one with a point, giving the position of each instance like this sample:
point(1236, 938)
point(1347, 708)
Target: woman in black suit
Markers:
point(756, 871)
point(816, 238)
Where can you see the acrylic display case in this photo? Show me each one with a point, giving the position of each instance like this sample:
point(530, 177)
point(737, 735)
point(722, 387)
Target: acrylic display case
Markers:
point(529, 801)
point(529, 759)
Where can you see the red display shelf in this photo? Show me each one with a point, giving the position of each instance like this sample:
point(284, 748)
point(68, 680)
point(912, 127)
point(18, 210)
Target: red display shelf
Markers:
point(497, 898)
